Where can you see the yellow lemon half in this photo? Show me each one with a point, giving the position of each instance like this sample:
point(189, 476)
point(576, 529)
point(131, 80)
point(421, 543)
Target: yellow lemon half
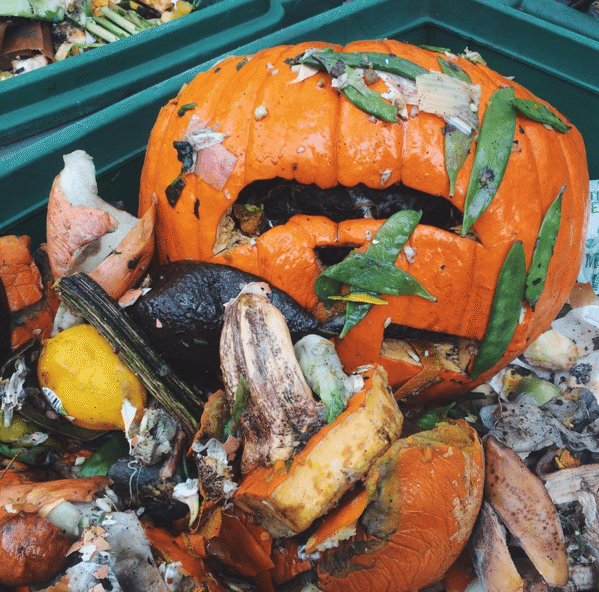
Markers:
point(79, 371)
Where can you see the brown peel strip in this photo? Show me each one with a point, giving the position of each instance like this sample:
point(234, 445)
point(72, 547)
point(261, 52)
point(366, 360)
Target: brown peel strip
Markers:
point(492, 560)
point(523, 504)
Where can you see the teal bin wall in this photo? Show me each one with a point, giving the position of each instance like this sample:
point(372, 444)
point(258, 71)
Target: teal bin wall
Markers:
point(63, 92)
point(547, 59)
point(562, 15)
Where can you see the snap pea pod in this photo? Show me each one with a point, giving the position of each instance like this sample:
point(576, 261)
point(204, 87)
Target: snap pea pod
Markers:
point(537, 273)
point(539, 112)
point(358, 59)
point(505, 311)
point(452, 69)
point(355, 90)
point(457, 143)
point(493, 150)
point(372, 102)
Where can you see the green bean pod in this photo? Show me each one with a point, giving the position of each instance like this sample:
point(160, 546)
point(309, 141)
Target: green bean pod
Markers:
point(375, 60)
point(372, 102)
point(457, 143)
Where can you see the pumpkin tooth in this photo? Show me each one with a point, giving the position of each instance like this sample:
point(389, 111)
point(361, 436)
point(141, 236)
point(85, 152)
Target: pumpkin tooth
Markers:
point(256, 347)
point(523, 504)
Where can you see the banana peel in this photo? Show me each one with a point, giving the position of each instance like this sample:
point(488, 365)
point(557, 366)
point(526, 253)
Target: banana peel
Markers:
point(522, 503)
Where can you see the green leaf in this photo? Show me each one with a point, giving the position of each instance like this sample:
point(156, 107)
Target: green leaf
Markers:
point(429, 419)
point(392, 236)
point(325, 287)
point(539, 112)
point(537, 273)
point(354, 313)
point(385, 247)
point(36, 456)
point(505, 311)
point(99, 463)
point(360, 271)
point(493, 149)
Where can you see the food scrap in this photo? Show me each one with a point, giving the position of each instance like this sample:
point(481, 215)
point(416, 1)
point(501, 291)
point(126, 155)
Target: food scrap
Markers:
point(256, 385)
point(35, 34)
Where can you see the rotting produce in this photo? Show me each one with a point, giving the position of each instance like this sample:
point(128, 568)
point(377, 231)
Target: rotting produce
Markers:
point(36, 33)
point(345, 239)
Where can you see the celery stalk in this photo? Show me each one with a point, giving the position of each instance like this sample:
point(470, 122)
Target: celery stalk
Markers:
point(118, 20)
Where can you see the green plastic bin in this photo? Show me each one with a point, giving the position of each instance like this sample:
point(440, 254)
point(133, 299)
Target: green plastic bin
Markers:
point(563, 16)
point(63, 92)
point(554, 65)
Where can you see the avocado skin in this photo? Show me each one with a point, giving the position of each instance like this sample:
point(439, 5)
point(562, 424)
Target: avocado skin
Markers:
point(182, 314)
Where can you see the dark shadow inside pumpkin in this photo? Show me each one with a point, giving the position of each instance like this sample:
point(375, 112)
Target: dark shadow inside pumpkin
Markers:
point(280, 199)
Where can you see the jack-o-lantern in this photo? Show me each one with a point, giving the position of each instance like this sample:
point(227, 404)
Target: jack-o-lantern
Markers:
point(288, 162)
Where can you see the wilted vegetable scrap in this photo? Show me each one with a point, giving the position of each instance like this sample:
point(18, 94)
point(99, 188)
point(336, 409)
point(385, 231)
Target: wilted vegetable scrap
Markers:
point(32, 549)
point(256, 347)
point(86, 234)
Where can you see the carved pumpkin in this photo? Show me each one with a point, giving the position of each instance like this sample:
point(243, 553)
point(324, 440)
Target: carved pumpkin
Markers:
point(219, 150)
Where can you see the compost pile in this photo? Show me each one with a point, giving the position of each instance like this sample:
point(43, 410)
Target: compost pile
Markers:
point(35, 34)
point(175, 423)
point(133, 486)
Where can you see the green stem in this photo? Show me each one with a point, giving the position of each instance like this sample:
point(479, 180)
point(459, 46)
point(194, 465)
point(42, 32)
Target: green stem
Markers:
point(80, 292)
point(117, 19)
point(99, 31)
point(110, 26)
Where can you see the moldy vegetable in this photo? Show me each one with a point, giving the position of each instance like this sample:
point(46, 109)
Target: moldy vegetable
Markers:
point(390, 132)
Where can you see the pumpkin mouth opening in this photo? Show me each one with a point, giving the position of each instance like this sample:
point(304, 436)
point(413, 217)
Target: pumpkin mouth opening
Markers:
point(411, 345)
point(277, 200)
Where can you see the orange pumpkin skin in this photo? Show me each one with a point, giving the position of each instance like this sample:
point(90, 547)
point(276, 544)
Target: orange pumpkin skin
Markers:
point(313, 134)
point(437, 496)
point(33, 303)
